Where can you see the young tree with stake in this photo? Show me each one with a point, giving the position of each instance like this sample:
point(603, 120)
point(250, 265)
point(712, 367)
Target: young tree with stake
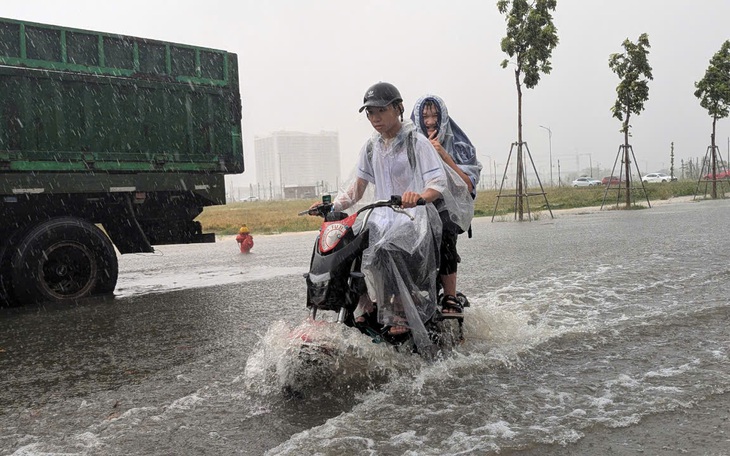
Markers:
point(531, 38)
point(632, 67)
point(714, 93)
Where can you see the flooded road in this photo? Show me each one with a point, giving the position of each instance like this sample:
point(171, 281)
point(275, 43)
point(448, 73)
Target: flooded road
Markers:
point(578, 325)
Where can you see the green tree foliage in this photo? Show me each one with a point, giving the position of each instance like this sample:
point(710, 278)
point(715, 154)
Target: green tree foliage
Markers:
point(531, 37)
point(632, 67)
point(714, 89)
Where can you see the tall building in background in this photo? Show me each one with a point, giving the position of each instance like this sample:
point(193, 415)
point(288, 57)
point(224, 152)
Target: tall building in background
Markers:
point(297, 165)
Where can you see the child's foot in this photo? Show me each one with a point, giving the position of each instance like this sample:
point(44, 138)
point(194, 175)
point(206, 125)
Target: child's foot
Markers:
point(398, 330)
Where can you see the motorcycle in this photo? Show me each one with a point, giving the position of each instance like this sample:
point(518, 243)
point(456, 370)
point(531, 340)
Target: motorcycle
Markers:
point(336, 283)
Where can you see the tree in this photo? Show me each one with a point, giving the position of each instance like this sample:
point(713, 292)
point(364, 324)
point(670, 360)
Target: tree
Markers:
point(531, 38)
point(714, 93)
point(632, 67)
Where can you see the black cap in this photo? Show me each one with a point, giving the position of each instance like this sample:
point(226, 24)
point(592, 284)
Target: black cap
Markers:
point(380, 95)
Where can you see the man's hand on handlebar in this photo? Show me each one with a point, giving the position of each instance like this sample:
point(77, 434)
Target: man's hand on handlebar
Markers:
point(318, 209)
point(411, 199)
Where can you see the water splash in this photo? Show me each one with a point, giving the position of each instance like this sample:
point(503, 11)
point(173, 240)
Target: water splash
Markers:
point(318, 357)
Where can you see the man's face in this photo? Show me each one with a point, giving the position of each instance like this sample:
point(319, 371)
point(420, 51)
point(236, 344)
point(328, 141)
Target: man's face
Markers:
point(430, 119)
point(384, 120)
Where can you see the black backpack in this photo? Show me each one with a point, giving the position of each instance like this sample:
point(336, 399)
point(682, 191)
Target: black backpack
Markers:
point(409, 148)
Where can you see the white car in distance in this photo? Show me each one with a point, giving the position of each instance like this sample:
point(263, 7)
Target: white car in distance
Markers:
point(586, 182)
point(658, 177)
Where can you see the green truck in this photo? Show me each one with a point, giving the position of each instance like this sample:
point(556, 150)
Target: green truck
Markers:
point(105, 141)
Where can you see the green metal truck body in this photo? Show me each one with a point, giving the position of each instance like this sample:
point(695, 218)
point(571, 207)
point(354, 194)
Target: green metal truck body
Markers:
point(131, 134)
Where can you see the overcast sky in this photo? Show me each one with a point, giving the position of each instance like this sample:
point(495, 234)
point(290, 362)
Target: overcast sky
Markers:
point(305, 65)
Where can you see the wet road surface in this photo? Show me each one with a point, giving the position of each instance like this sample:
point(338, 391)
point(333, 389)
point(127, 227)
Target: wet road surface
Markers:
point(579, 323)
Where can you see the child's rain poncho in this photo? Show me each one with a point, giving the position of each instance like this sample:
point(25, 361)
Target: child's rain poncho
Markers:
point(451, 137)
point(401, 264)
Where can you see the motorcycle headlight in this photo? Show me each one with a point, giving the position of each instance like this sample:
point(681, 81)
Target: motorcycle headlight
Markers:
point(331, 236)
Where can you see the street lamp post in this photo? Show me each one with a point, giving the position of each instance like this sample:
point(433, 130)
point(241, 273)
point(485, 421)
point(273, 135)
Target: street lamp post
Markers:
point(494, 162)
point(550, 145)
point(489, 170)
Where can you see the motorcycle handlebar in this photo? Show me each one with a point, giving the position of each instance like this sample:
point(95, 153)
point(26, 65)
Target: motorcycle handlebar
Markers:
point(321, 209)
point(395, 201)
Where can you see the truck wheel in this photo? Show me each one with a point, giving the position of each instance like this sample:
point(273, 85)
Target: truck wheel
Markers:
point(63, 259)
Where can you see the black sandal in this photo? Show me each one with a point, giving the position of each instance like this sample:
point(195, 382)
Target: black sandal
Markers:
point(368, 319)
point(451, 307)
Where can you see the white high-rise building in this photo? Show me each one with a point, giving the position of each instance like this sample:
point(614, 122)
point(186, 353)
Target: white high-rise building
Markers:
point(293, 164)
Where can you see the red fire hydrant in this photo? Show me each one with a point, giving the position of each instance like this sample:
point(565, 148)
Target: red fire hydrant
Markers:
point(244, 239)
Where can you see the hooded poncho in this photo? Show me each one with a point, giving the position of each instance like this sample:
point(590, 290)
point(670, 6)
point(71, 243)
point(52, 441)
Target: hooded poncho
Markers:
point(452, 138)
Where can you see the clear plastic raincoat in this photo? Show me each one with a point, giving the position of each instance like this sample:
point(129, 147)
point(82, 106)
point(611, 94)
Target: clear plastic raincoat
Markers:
point(401, 262)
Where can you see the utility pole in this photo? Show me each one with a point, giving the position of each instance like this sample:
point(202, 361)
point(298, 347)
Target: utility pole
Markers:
point(590, 162)
point(559, 173)
point(550, 148)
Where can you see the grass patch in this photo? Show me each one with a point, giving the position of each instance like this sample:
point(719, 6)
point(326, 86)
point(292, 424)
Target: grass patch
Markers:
point(269, 217)
point(262, 217)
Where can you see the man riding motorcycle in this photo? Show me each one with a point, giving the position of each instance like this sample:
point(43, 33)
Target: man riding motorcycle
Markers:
point(401, 262)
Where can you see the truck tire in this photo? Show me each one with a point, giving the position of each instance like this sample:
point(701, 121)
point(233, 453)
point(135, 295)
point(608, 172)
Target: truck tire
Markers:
point(63, 259)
